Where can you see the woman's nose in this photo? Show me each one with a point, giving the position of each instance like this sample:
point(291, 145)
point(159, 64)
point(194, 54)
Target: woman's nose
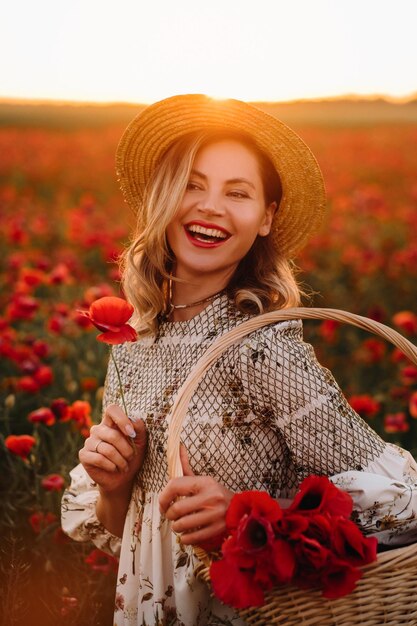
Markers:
point(211, 204)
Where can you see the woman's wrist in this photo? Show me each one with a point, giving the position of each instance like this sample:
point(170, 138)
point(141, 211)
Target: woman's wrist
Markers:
point(112, 506)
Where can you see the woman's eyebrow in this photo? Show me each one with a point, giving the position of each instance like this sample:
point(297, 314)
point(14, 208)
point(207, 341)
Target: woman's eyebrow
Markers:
point(231, 181)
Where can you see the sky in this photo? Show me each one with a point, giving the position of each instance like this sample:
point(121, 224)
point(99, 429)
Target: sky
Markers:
point(137, 51)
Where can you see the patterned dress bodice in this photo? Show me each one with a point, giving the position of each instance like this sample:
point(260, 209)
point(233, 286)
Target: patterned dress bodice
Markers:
point(252, 418)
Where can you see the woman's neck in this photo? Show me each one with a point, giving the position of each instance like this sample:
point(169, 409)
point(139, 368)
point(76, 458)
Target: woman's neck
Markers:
point(186, 299)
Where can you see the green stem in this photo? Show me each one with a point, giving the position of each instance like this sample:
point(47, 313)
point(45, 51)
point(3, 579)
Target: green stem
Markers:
point(119, 379)
point(121, 393)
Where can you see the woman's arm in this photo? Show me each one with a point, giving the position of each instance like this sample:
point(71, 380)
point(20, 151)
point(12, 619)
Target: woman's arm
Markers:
point(95, 505)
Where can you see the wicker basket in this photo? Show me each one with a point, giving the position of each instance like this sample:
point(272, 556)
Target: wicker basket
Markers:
point(387, 592)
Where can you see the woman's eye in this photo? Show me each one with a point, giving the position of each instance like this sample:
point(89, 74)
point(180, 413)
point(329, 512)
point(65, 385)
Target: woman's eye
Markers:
point(238, 194)
point(192, 186)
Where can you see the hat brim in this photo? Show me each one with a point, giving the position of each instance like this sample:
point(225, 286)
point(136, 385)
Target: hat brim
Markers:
point(151, 132)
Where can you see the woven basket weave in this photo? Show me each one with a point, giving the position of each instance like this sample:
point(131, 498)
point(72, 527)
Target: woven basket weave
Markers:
point(387, 592)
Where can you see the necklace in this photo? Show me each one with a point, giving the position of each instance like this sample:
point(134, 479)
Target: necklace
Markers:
point(171, 306)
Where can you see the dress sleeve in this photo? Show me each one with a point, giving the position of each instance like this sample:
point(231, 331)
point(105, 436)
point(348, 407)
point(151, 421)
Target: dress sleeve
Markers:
point(325, 436)
point(78, 506)
point(78, 513)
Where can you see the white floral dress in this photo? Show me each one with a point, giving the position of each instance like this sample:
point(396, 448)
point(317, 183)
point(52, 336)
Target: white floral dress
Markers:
point(265, 416)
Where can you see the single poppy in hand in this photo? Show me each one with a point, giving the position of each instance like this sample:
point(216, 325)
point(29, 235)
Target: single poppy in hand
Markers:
point(110, 315)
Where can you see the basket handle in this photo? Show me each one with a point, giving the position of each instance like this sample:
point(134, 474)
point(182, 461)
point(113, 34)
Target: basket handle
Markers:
point(185, 392)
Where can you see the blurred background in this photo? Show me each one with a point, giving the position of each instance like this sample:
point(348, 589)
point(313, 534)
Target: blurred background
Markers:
point(342, 74)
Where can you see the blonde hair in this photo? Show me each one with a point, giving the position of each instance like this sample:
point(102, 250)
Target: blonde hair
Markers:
point(263, 280)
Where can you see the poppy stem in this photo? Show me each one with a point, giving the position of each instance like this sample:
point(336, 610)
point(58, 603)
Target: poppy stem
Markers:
point(121, 391)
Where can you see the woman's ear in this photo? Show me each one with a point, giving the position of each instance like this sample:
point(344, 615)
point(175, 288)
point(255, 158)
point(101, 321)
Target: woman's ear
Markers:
point(265, 227)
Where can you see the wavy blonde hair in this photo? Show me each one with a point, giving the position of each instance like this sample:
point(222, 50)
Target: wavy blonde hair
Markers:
point(263, 281)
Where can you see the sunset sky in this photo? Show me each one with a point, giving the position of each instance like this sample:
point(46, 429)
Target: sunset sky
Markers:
point(131, 50)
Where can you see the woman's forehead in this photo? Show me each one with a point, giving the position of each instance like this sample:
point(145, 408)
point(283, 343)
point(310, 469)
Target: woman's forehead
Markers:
point(226, 155)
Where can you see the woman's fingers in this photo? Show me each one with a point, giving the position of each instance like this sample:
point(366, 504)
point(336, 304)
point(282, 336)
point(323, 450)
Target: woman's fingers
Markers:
point(186, 467)
point(111, 451)
point(185, 486)
point(133, 428)
point(200, 535)
point(195, 520)
point(114, 415)
point(111, 436)
point(112, 440)
point(93, 460)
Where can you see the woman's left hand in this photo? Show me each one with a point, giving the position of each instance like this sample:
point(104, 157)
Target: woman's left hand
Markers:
point(196, 505)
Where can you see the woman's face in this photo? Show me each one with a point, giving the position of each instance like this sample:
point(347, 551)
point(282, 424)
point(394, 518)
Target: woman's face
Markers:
point(222, 212)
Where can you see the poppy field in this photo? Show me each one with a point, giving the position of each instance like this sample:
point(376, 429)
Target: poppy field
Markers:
point(63, 226)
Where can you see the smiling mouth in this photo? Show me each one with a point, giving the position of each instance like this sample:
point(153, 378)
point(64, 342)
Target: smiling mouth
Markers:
point(206, 235)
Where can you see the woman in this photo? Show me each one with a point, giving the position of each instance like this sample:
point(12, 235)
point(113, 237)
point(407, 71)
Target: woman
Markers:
point(226, 195)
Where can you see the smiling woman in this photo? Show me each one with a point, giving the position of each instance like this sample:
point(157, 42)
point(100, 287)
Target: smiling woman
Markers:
point(226, 196)
point(222, 212)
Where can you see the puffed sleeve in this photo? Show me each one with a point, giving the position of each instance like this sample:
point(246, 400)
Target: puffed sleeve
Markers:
point(78, 506)
point(325, 436)
point(78, 513)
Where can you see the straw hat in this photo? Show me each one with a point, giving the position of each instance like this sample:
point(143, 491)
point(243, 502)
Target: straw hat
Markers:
point(150, 134)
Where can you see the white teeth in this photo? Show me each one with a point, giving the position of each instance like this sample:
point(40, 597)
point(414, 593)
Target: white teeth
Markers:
point(209, 232)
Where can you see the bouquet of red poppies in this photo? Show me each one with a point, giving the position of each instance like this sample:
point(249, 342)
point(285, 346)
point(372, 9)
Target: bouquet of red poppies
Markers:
point(311, 544)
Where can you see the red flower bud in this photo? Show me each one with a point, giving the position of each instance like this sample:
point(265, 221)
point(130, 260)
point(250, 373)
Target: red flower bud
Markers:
point(20, 445)
point(42, 416)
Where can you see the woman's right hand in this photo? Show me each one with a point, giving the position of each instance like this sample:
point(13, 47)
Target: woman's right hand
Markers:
point(108, 456)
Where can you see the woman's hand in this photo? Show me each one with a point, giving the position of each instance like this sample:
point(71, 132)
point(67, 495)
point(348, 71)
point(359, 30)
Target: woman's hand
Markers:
point(108, 456)
point(196, 505)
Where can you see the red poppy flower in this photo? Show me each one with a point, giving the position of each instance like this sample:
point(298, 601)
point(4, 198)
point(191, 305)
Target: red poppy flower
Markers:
point(293, 525)
point(80, 412)
point(235, 586)
point(339, 578)
point(40, 348)
point(409, 375)
point(42, 416)
point(257, 503)
point(254, 533)
point(99, 561)
point(20, 445)
point(60, 275)
point(60, 408)
point(39, 521)
point(317, 494)
point(371, 351)
point(28, 384)
point(406, 321)
point(311, 554)
point(43, 376)
point(396, 423)
point(328, 330)
point(32, 276)
point(364, 405)
point(22, 307)
point(110, 315)
point(397, 356)
point(53, 482)
point(282, 562)
point(351, 545)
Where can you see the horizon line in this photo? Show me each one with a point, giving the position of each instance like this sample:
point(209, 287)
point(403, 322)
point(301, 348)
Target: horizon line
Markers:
point(344, 97)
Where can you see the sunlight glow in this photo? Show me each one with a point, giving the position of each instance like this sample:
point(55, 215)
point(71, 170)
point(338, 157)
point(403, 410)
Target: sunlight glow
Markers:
point(100, 50)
